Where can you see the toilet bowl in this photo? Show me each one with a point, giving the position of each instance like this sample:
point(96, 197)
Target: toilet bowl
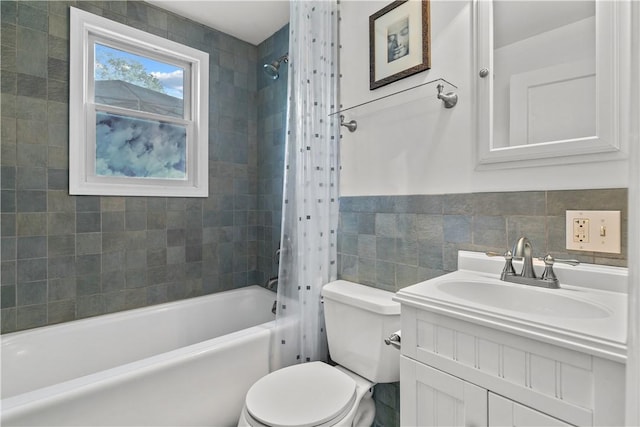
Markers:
point(310, 394)
point(358, 318)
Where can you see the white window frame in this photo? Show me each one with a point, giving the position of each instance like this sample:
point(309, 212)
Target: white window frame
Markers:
point(88, 29)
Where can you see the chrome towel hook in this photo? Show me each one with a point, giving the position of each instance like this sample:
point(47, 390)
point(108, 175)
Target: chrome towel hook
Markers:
point(450, 99)
point(352, 125)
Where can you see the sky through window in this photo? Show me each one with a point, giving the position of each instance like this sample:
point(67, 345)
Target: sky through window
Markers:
point(116, 64)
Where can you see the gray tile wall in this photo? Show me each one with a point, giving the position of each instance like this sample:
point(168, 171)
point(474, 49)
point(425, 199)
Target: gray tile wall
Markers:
point(67, 257)
point(272, 115)
point(390, 242)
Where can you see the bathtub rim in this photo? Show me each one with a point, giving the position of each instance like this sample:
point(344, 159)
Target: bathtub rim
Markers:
point(33, 394)
point(134, 312)
point(11, 406)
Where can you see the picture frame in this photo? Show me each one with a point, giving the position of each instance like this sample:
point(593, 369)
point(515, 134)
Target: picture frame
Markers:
point(399, 41)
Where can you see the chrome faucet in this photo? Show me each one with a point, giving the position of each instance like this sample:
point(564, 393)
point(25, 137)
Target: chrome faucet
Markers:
point(523, 250)
point(272, 283)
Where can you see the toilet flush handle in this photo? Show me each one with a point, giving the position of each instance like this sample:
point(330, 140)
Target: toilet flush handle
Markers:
point(393, 340)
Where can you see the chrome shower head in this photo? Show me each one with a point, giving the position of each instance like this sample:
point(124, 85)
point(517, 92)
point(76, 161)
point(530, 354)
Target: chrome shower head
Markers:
point(272, 70)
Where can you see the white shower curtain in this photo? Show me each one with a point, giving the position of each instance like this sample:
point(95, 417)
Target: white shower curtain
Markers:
point(310, 203)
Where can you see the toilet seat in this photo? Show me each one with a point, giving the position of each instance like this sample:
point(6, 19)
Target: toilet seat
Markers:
point(305, 395)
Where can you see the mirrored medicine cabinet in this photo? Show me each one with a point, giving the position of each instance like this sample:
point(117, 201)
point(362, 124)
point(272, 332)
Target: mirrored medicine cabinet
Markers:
point(548, 81)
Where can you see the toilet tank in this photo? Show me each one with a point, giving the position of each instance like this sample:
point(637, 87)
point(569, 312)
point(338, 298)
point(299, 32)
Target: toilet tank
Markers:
point(358, 319)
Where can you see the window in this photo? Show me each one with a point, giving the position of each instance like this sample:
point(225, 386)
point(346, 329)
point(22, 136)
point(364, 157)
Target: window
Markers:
point(138, 112)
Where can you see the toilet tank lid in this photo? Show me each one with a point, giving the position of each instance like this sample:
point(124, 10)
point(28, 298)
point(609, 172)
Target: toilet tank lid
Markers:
point(365, 297)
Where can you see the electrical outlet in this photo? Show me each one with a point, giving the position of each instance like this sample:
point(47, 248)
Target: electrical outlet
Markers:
point(593, 231)
point(580, 230)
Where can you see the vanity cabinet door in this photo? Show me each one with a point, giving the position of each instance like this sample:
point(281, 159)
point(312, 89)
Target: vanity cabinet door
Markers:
point(429, 397)
point(505, 412)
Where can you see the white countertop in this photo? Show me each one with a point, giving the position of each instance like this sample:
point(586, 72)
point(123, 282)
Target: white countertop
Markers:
point(588, 313)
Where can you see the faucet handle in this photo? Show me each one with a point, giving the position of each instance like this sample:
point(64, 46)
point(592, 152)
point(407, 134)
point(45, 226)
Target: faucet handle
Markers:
point(549, 275)
point(504, 255)
point(549, 260)
point(508, 269)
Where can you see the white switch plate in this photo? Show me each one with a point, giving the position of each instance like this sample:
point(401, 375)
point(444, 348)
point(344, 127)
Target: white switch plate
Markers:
point(593, 231)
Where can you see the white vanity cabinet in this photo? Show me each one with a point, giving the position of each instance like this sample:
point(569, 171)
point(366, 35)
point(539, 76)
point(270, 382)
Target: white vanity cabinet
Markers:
point(430, 397)
point(505, 412)
point(434, 398)
point(457, 372)
point(479, 351)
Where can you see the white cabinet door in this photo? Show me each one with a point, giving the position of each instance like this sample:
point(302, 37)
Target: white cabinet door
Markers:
point(505, 412)
point(429, 397)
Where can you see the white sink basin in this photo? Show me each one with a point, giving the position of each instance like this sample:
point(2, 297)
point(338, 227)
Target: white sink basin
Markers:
point(588, 312)
point(523, 300)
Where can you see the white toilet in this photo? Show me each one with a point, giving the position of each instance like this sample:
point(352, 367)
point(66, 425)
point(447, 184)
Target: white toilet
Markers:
point(358, 318)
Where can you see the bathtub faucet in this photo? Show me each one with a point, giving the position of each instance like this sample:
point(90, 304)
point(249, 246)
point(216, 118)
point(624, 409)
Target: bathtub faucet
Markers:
point(272, 283)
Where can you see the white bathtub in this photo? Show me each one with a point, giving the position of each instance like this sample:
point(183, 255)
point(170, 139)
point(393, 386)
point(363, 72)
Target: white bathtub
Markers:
point(183, 363)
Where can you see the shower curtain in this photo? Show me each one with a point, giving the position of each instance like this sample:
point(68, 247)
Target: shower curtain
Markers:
point(310, 202)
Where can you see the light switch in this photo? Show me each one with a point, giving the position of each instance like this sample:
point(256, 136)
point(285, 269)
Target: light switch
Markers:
point(593, 231)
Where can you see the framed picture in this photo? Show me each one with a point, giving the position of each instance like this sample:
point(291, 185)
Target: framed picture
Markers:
point(399, 42)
